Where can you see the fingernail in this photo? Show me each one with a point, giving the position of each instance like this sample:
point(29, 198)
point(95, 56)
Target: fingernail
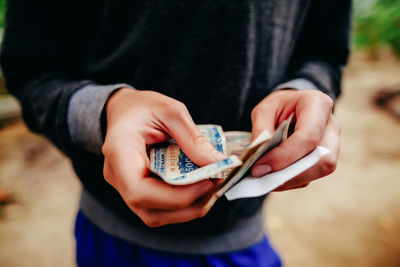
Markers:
point(217, 156)
point(261, 170)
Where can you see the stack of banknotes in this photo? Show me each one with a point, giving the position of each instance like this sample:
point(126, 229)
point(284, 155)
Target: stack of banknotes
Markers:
point(169, 162)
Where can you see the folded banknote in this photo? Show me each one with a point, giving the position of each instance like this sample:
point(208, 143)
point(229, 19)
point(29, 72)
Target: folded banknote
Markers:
point(169, 162)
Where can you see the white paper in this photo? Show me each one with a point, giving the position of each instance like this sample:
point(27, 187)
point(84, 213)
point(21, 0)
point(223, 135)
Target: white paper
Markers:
point(254, 187)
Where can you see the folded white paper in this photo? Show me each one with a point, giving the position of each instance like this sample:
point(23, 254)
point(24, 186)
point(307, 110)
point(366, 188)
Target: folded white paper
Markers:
point(254, 187)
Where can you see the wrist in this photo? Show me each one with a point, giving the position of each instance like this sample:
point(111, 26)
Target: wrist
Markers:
point(117, 96)
point(112, 102)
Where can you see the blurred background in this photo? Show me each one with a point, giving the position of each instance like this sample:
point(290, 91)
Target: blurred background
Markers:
point(351, 218)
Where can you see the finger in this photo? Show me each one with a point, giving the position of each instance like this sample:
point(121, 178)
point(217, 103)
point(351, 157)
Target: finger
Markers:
point(156, 194)
point(290, 187)
point(138, 190)
point(156, 218)
point(270, 113)
point(124, 155)
point(263, 117)
point(126, 170)
point(312, 115)
point(326, 165)
point(180, 126)
point(297, 182)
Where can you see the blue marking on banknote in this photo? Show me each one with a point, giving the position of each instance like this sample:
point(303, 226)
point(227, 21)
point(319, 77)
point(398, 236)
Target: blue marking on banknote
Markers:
point(159, 160)
point(223, 162)
point(218, 164)
point(185, 165)
point(168, 160)
point(215, 138)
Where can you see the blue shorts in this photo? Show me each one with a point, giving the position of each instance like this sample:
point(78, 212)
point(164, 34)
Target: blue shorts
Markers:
point(94, 247)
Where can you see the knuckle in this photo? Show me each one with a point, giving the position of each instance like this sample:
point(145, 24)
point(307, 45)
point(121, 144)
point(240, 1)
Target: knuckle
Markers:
point(257, 111)
point(202, 212)
point(107, 174)
point(151, 221)
point(310, 93)
point(135, 201)
point(174, 108)
point(311, 138)
point(169, 104)
point(326, 100)
point(147, 217)
point(181, 107)
point(105, 149)
point(198, 138)
point(108, 150)
point(301, 185)
point(316, 93)
point(328, 166)
point(305, 184)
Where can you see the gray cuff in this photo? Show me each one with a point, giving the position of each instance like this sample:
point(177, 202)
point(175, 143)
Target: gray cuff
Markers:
point(84, 113)
point(298, 84)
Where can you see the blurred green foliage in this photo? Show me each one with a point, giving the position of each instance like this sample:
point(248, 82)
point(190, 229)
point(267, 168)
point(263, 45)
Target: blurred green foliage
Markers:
point(377, 23)
point(2, 12)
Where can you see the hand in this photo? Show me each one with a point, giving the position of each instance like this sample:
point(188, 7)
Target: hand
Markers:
point(136, 119)
point(315, 125)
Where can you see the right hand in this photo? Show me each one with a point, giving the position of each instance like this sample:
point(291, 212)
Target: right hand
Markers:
point(136, 119)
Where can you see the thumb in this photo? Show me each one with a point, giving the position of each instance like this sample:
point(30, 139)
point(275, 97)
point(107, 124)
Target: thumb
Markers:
point(192, 142)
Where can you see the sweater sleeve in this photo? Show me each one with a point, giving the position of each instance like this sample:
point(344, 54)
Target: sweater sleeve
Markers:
point(298, 84)
point(85, 112)
point(323, 46)
point(43, 69)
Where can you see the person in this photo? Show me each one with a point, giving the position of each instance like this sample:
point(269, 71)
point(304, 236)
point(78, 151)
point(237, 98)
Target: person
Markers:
point(103, 80)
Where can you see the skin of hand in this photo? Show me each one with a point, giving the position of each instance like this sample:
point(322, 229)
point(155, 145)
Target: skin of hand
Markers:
point(135, 120)
point(315, 125)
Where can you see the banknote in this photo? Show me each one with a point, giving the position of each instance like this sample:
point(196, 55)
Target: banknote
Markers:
point(169, 162)
point(261, 145)
point(237, 142)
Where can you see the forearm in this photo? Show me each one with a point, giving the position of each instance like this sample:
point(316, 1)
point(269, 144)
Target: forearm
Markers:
point(322, 47)
point(315, 75)
point(46, 73)
point(68, 112)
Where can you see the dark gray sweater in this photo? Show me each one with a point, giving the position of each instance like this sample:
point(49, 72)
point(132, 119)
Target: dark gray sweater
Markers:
point(62, 59)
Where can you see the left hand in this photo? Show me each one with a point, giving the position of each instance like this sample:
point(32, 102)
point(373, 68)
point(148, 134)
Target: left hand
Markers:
point(315, 125)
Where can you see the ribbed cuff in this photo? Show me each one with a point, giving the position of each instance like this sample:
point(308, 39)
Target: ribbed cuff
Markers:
point(84, 113)
point(298, 84)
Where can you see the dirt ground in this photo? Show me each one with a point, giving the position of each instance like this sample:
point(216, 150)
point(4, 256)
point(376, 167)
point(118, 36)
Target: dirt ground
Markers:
point(351, 218)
